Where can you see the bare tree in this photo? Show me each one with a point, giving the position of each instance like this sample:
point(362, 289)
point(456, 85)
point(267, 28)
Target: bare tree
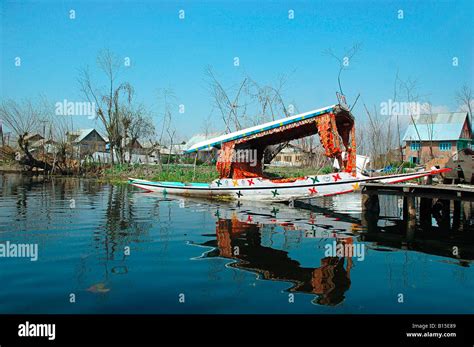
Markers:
point(270, 104)
point(465, 100)
point(23, 118)
point(136, 125)
point(207, 126)
point(343, 61)
point(381, 139)
point(263, 101)
point(409, 88)
point(167, 99)
point(230, 109)
point(108, 100)
point(63, 151)
point(396, 87)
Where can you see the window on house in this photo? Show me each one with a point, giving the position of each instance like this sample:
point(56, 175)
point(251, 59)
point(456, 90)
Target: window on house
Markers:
point(445, 146)
point(287, 158)
point(415, 146)
point(414, 160)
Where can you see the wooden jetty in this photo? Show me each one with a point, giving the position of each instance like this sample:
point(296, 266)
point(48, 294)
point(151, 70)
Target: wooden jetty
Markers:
point(392, 232)
point(433, 201)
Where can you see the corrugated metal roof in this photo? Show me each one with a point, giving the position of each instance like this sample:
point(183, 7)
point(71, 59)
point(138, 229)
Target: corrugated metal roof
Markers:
point(441, 118)
point(83, 133)
point(436, 127)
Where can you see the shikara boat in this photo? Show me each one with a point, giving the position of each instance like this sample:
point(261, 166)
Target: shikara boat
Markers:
point(243, 179)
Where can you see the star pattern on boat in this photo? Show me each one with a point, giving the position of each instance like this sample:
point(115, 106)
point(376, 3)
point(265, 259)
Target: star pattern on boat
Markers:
point(218, 183)
point(355, 186)
point(312, 190)
point(239, 194)
point(249, 218)
point(217, 214)
point(250, 181)
point(275, 193)
point(336, 177)
point(235, 183)
point(275, 211)
point(165, 192)
point(315, 179)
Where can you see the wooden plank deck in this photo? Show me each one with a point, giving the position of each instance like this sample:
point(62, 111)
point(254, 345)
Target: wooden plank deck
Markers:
point(438, 191)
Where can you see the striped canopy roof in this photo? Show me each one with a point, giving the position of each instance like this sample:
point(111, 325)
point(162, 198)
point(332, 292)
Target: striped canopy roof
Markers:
point(218, 141)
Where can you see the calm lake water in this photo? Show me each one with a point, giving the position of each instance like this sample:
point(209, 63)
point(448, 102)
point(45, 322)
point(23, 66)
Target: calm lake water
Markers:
point(224, 257)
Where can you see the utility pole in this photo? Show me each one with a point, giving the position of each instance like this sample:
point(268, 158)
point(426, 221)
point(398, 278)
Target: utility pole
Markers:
point(44, 121)
point(1, 134)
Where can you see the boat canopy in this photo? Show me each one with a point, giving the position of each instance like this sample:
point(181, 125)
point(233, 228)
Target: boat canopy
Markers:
point(217, 142)
point(334, 124)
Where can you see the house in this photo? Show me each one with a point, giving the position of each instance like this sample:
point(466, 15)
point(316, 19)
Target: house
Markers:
point(86, 141)
point(33, 137)
point(438, 135)
point(12, 139)
point(291, 155)
point(175, 150)
point(144, 147)
point(46, 146)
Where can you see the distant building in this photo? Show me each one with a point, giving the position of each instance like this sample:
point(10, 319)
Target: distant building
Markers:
point(291, 155)
point(144, 147)
point(47, 146)
point(34, 137)
point(206, 154)
point(443, 134)
point(86, 141)
point(11, 139)
point(175, 149)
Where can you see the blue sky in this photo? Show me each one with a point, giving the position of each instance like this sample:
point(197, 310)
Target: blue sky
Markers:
point(168, 52)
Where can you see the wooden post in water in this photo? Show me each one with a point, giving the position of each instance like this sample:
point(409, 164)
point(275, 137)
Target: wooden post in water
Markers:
point(425, 212)
point(445, 211)
point(467, 210)
point(370, 203)
point(370, 211)
point(456, 214)
point(411, 217)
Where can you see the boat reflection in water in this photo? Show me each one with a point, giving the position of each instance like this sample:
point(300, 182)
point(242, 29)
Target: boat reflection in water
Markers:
point(240, 229)
point(242, 241)
point(239, 236)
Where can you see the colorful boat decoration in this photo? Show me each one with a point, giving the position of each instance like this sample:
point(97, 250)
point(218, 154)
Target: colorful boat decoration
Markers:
point(244, 179)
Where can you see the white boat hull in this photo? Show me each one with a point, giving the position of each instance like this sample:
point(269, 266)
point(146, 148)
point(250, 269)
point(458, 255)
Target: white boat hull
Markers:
point(263, 189)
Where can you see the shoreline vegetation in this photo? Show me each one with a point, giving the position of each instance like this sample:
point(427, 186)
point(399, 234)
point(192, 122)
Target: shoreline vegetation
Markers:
point(119, 173)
